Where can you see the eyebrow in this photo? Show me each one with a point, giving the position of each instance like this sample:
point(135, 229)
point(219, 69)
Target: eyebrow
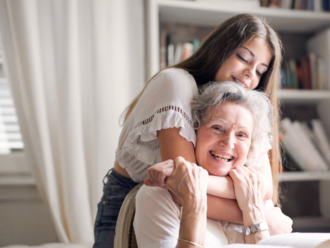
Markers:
point(237, 127)
point(254, 55)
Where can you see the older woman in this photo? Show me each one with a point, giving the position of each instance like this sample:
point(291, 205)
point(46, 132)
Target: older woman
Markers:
point(233, 129)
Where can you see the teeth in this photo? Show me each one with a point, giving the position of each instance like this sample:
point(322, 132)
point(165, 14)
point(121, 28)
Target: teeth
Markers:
point(220, 156)
point(240, 83)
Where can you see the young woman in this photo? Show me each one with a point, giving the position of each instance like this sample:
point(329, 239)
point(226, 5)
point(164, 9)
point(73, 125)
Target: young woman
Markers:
point(233, 128)
point(158, 123)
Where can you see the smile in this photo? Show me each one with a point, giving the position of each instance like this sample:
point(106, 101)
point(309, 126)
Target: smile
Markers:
point(239, 82)
point(222, 157)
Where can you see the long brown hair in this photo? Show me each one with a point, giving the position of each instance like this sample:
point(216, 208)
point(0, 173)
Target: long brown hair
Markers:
point(214, 51)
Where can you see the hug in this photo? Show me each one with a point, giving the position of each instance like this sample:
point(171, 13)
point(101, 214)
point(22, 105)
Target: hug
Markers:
point(233, 129)
point(160, 125)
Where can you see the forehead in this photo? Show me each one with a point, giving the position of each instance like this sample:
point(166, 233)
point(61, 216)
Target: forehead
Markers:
point(260, 47)
point(230, 112)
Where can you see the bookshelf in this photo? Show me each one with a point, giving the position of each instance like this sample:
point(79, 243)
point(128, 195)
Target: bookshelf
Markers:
point(293, 22)
point(303, 96)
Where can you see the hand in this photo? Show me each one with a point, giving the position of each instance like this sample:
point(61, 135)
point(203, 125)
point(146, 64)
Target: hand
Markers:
point(278, 222)
point(158, 173)
point(188, 182)
point(250, 187)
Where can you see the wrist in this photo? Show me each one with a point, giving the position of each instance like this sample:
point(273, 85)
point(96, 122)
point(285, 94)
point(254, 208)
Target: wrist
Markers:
point(253, 216)
point(194, 209)
point(249, 230)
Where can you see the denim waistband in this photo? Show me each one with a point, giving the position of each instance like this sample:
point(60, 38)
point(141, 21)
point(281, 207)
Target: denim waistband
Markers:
point(114, 177)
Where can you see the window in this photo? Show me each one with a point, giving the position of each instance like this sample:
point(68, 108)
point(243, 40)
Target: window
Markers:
point(11, 144)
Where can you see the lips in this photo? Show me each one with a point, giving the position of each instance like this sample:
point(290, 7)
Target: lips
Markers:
point(239, 82)
point(223, 157)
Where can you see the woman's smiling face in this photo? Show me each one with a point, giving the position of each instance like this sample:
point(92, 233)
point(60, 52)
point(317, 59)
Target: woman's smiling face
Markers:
point(247, 64)
point(224, 141)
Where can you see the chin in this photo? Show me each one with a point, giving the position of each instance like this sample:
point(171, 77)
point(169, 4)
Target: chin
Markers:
point(220, 173)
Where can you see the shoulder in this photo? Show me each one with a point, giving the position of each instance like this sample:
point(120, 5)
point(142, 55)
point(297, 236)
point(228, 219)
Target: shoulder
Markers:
point(157, 218)
point(175, 77)
point(155, 196)
point(175, 72)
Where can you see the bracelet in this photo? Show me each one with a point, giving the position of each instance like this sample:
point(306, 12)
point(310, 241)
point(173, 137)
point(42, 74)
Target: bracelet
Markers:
point(189, 242)
point(262, 226)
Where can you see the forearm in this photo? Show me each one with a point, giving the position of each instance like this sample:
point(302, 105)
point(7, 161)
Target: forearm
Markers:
point(192, 227)
point(253, 217)
point(221, 187)
point(223, 210)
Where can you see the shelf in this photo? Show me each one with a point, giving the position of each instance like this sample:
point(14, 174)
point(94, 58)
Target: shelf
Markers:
point(208, 14)
point(310, 223)
point(303, 96)
point(304, 176)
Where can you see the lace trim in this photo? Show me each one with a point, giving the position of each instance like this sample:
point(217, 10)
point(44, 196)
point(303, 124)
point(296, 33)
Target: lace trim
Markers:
point(164, 109)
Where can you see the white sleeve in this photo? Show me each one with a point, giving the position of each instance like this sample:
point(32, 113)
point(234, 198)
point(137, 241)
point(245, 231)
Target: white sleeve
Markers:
point(157, 218)
point(165, 103)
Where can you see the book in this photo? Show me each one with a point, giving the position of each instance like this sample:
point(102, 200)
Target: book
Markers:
point(293, 240)
point(293, 152)
point(274, 4)
point(304, 146)
point(320, 46)
point(295, 142)
point(318, 5)
point(321, 138)
point(286, 4)
point(325, 5)
point(178, 53)
point(306, 71)
point(310, 5)
point(170, 55)
point(162, 54)
point(293, 77)
point(196, 43)
point(317, 161)
point(169, 49)
point(187, 50)
point(312, 60)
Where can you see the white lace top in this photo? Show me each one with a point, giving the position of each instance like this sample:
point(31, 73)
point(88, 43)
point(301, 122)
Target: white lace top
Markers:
point(165, 103)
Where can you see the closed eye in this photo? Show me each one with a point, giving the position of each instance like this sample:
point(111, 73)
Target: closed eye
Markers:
point(241, 58)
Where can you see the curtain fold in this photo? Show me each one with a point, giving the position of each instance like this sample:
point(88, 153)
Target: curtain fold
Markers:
point(73, 66)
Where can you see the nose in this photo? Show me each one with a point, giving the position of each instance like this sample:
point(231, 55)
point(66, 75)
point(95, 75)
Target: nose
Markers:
point(250, 72)
point(227, 141)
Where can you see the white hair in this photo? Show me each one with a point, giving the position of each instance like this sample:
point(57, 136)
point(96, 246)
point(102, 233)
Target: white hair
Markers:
point(214, 94)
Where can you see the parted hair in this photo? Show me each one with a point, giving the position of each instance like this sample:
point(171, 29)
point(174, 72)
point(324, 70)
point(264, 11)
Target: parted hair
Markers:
point(215, 94)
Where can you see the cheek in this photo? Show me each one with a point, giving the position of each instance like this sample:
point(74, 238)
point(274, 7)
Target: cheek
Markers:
point(244, 150)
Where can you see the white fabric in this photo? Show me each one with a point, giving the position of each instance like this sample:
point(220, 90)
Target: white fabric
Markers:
point(164, 104)
point(157, 221)
point(234, 232)
point(73, 66)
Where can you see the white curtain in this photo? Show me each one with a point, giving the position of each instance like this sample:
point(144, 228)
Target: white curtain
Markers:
point(73, 66)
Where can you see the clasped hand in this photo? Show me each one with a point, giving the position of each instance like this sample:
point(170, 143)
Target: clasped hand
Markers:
point(185, 180)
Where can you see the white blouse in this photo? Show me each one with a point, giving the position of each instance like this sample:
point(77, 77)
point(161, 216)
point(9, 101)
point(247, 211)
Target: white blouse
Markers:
point(164, 104)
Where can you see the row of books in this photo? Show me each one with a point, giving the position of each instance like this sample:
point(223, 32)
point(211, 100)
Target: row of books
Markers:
point(306, 143)
point(173, 52)
point(311, 5)
point(309, 73)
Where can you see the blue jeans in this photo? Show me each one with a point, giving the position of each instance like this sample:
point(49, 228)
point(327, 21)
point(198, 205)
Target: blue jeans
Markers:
point(114, 192)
